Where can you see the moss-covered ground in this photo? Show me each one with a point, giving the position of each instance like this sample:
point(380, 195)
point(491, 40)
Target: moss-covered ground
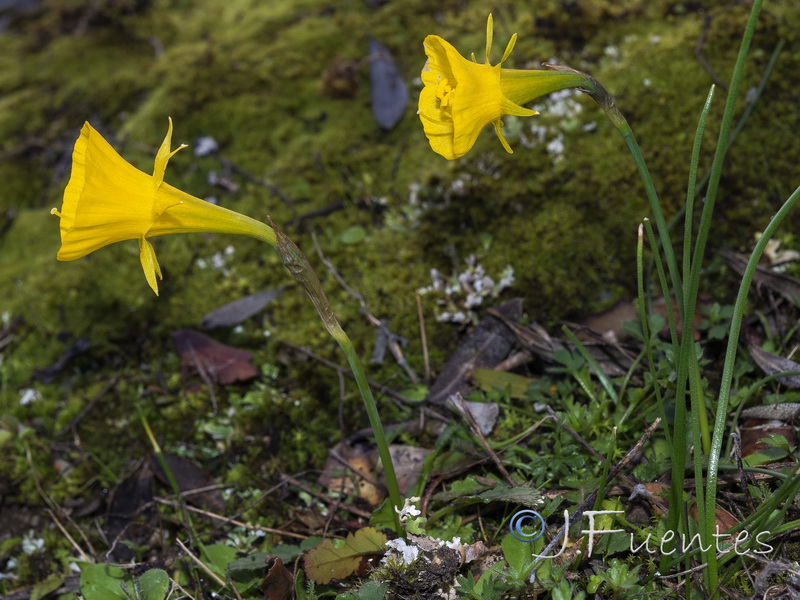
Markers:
point(283, 87)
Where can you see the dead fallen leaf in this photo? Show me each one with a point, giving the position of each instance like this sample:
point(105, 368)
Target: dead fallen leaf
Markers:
point(190, 476)
point(337, 559)
point(772, 364)
point(489, 380)
point(754, 430)
point(278, 583)
point(785, 411)
point(389, 91)
point(218, 362)
point(239, 310)
point(131, 502)
point(613, 358)
point(724, 519)
point(483, 348)
point(349, 470)
point(49, 374)
point(786, 286)
point(359, 477)
point(408, 462)
point(609, 322)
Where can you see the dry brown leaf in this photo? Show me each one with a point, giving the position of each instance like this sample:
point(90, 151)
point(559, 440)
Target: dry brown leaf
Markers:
point(214, 360)
point(337, 559)
point(278, 583)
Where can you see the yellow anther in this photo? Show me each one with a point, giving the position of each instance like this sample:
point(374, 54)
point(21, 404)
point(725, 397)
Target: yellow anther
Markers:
point(444, 92)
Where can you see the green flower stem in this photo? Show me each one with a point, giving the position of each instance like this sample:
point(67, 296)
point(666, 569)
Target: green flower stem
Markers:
point(167, 473)
point(593, 88)
point(730, 359)
point(644, 318)
point(298, 265)
point(375, 422)
point(691, 192)
point(720, 153)
point(655, 206)
point(712, 574)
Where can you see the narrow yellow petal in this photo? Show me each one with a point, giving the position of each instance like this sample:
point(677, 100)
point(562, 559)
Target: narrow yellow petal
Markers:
point(489, 35)
point(147, 255)
point(163, 156)
point(498, 128)
point(511, 43)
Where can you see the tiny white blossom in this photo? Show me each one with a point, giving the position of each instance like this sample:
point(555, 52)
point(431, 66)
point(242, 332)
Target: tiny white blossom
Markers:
point(407, 552)
point(29, 396)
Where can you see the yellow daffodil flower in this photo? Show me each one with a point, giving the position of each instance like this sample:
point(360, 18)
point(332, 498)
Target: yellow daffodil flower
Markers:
point(461, 97)
point(108, 200)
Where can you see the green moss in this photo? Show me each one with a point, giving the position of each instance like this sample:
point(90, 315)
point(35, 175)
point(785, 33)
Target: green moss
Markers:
point(253, 75)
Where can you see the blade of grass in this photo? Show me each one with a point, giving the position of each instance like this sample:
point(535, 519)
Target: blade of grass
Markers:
point(730, 359)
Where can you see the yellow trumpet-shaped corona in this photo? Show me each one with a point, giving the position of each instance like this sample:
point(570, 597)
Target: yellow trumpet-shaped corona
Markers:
point(461, 97)
point(108, 200)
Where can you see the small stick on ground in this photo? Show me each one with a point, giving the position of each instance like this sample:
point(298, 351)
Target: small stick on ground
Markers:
point(203, 372)
point(698, 53)
point(89, 405)
point(376, 385)
point(424, 339)
point(85, 557)
point(462, 406)
point(225, 519)
point(356, 511)
point(391, 339)
point(589, 500)
point(199, 562)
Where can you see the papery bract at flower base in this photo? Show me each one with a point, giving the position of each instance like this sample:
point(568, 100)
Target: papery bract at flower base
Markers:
point(461, 97)
point(108, 200)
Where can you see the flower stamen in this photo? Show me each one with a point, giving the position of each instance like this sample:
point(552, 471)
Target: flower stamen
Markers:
point(444, 92)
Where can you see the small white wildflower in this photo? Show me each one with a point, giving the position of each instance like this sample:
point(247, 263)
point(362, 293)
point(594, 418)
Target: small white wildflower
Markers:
point(31, 544)
point(458, 187)
point(205, 145)
point(407, 552)
point(506, 278)
point(459, 317)
point(29, 396)
point(409, 509)
point(413, 193)
point(556, 146)
point(612, 52)
point(654, 39)
point(473, 300)
point(217, 260)
point(201, 263)
point(647, 82)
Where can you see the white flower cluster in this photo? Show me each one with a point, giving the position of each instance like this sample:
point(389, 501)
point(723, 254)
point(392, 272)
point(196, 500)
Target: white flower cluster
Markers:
point(462, 293)
point(560, 112)
point(218, 260)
